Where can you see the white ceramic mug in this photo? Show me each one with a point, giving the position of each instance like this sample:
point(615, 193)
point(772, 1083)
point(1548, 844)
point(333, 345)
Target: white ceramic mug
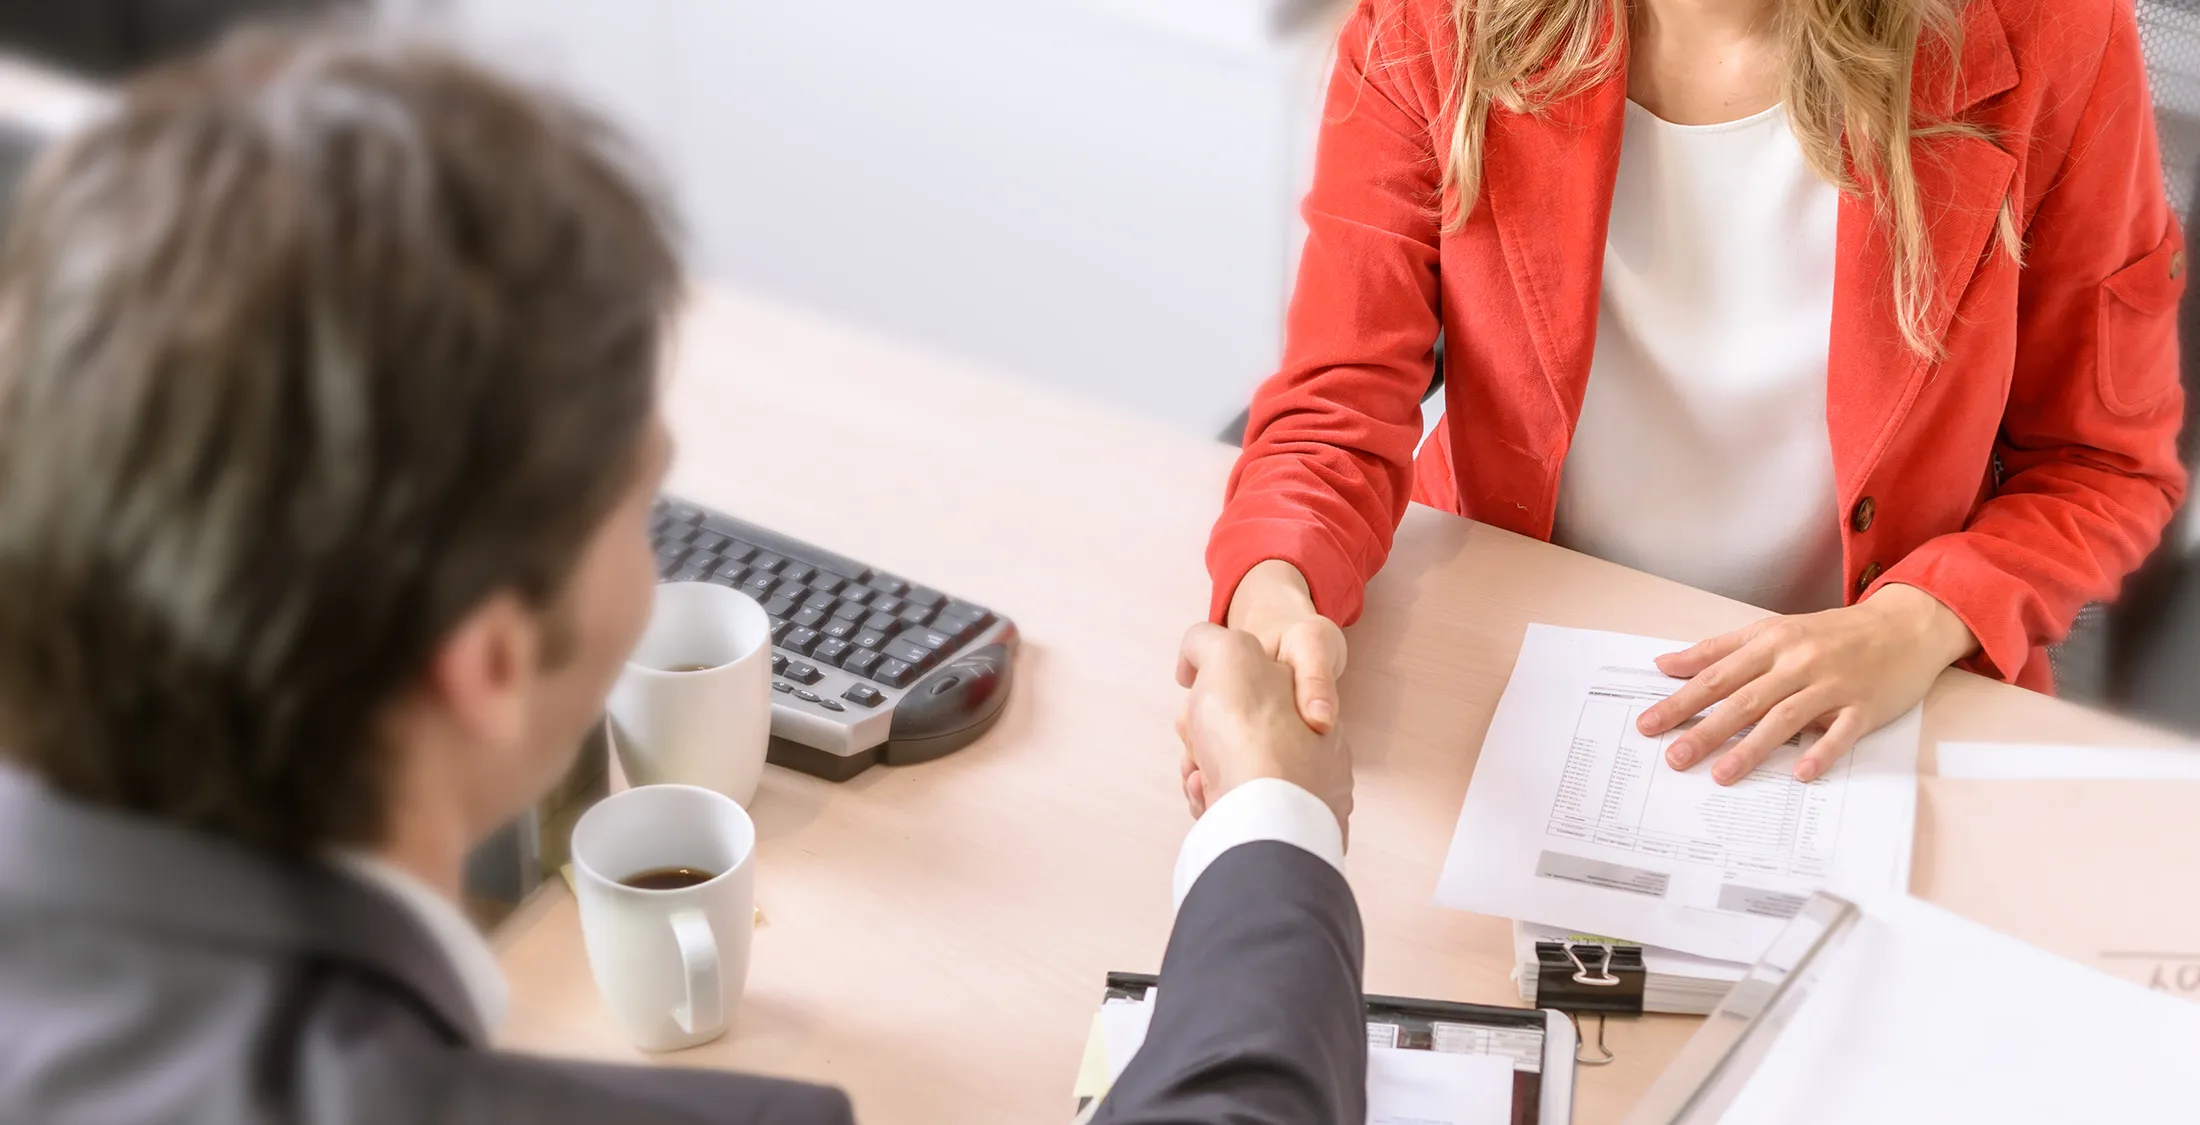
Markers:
point(671, 964)
point(693, 706)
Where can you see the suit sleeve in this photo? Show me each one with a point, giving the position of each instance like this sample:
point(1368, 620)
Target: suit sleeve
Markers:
point(1327, 468)
point(2089, 467)
point(1259, 1020)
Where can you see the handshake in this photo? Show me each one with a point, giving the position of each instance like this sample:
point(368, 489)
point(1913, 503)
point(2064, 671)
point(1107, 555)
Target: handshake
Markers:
point(1242, 722)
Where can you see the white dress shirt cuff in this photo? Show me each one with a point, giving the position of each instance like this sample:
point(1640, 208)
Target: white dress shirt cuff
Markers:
point(1267, 808)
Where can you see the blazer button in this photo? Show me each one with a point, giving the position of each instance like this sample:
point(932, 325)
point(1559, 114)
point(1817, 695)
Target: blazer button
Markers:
point(1860, 520)
point(2176, 264)
point(1864, 581)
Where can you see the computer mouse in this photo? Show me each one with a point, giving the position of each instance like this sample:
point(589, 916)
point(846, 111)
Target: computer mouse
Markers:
point(951, 707)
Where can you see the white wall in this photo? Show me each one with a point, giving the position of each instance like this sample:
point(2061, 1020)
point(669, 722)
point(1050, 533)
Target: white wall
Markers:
point(1098, 193)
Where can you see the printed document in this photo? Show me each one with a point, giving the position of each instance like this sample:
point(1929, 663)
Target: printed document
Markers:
point(1575, 819)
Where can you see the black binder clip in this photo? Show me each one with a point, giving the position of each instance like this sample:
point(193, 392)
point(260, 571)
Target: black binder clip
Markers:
point(1578, 977)
point(1581, 976)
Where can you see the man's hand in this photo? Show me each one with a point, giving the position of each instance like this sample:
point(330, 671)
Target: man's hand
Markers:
point(1242, 722)
point(1274, 605)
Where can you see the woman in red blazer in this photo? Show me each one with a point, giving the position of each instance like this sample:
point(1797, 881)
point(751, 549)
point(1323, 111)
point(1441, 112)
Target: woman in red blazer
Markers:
point(1992, 348)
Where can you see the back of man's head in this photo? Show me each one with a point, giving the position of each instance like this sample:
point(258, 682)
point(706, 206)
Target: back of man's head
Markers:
point(310, 347)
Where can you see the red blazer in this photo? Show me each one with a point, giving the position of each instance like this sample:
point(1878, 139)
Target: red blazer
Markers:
point(2016, 479)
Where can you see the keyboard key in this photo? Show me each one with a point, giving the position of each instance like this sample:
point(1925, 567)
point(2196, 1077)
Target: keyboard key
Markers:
point(804, 673)
point(807, 696)
point(760, 584)
point(731, 529)
point(711, 541)
point(894, 673)
point(671, 552)
point(858, 595)
point(800, 639)
point(887, 604)
point(733, 574)
point(781, 606)
point(831, 705)
point(871, 638)
point(828, 582)
point(960, 626)
point(888, 584)
point(809, 618)
point(929, 638)
point(902, 650)
point(692, 572)
point(885, 623)
point(851, 611)
point(925, 596)
point(821, 601)
point(767, 561)
point(964, 609)
point(737, 551)
point(830, 651)
point(861, 661)
point(797, 572)
point(841, 629)
point(916, 614)
point(683, 511)
point(779, 663)
point(863, 695)
point(782, 685)
point(780, 629)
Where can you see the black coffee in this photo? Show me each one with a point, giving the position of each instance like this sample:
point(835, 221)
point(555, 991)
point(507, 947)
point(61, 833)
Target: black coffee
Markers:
point(669, 878)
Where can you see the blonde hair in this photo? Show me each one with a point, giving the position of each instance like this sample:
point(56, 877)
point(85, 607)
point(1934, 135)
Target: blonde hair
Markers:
point(1849, 70)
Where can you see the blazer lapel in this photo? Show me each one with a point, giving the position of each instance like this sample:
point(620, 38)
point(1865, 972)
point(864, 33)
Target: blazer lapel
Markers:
point(1872, 375)
point(1547, 183)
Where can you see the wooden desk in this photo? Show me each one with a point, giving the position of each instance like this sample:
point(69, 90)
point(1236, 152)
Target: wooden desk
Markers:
point(935, 937)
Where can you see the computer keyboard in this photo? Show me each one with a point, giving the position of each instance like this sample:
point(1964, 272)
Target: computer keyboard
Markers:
point(867, 667)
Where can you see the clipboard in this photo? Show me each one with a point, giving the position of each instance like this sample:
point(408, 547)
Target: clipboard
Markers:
point(1710, 1071)
point(1540, 1041)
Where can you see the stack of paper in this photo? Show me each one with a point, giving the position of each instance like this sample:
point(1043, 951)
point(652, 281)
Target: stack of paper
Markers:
point(1676, 982)
point(1575, 819)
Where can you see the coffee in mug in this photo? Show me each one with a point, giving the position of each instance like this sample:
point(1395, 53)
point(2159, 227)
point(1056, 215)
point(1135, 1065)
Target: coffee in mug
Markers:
point(668, 879)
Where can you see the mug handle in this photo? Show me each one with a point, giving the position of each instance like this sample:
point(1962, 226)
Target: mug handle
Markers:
point(699, 955)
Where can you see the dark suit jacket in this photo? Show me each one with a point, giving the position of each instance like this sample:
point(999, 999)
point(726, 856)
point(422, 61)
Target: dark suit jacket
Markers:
point(151, 975)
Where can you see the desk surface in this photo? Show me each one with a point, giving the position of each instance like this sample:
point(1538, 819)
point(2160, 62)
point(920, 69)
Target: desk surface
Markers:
point(936, 937)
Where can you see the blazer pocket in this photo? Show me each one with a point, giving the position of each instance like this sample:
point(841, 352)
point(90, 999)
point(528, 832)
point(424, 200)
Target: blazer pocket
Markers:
point(2138, 328)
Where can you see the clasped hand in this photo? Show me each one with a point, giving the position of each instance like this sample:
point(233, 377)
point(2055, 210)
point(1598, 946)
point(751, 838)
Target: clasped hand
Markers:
point(1241, 722)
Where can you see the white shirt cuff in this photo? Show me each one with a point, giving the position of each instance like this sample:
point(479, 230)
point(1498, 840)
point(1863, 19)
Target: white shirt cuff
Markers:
point(1267, 808)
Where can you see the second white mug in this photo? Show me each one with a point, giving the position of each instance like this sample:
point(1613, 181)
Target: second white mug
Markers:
point(693, 706)
point(666, 879)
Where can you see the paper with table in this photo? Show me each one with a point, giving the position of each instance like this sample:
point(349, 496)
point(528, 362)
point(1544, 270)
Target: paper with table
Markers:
point(1574, 819)
point(2088, 852)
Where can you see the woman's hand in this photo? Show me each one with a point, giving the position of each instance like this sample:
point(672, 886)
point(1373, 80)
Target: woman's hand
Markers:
point(1848, 670)
point(1274, 605)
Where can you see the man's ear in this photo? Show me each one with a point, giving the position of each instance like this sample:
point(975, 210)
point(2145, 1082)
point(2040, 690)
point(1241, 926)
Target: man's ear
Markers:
point(479, 676)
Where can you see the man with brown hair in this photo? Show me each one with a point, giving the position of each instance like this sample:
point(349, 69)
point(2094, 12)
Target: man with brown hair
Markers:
point(328, 441)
